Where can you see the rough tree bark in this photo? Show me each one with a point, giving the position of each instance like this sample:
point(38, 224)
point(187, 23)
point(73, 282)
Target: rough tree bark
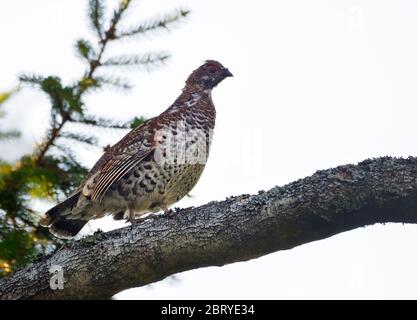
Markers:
point(236, 229)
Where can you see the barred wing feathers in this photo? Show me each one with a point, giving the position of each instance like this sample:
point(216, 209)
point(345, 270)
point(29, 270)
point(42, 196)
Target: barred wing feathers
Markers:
point(119, 160)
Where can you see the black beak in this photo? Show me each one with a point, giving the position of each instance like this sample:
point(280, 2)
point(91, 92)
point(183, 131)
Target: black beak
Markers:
point(227, 73)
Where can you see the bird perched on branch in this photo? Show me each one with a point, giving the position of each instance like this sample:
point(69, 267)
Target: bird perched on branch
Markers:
point(153, 166)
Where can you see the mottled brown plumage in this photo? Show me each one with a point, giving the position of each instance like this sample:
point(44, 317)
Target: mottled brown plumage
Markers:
point(153, 166)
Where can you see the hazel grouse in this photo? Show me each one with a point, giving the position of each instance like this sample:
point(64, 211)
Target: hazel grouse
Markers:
point(153, 166)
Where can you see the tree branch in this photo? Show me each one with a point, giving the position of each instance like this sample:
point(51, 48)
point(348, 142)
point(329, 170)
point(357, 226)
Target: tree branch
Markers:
point(53, 135)
point(236, 229)
point(93, 65)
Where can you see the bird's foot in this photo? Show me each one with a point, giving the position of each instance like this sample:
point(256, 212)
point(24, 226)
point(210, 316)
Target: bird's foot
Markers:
point(169, 213)
point(136, 221)
point(132, 221)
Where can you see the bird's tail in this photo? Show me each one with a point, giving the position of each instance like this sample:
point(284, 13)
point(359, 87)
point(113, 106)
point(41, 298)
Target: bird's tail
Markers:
point(58, 219)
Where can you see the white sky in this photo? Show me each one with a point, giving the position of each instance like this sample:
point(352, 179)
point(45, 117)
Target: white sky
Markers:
point(317, 84)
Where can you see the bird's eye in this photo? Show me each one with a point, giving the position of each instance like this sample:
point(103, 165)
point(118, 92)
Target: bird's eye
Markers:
point(212, 69)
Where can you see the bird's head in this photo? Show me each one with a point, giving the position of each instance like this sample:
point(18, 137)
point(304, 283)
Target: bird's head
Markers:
point(209, 75)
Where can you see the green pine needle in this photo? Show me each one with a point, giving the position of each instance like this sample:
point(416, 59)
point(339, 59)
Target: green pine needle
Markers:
point(68, 154)
point(100, 122)
point(137, 121)
point(96, 10)
point(117, 15)
point(155, 24)
point(32, 79)
point(144, 60)
point(85, 49)
point(53, 169)
point(79, 138)
point(9, 135)
point(113, 81)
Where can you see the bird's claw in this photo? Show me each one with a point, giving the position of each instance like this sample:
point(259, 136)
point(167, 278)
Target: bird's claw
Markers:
point(169, 213)
point(136, 221)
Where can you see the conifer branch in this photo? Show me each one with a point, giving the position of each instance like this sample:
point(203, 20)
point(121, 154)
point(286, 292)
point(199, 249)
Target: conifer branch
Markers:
point(109, 35)
point(13, 134)
point(31, 79)
point(52, 136)
point(67, 152)
point(136, 122)
point(100, 122)
point(96, 15)
point(79, 137)
point(42, 174)
point(85, 49)
point(144, 60)
point(165, 22)
point(115, 82)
